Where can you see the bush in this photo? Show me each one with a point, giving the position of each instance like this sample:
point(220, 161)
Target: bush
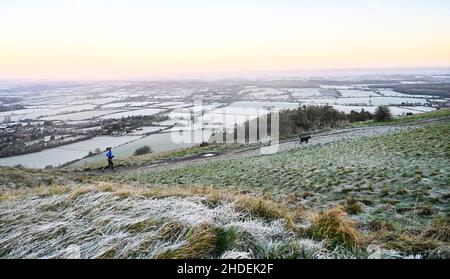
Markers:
point(383, 113)
point(143, 150)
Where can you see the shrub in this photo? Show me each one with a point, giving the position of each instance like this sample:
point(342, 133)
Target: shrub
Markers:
point(383, 113)
point(143, 150)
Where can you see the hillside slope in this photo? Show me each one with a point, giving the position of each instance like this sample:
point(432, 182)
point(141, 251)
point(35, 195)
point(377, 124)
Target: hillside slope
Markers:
point(380, 195)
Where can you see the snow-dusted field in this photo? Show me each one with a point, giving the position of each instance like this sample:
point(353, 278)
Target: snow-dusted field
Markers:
point(66, 153)
point(139, 112)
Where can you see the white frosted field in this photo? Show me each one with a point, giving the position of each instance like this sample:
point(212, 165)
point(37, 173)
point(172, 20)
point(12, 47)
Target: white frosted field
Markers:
point(365, 101)
point(357, 93)
point(305, 92)
point(84, 115)
point(394, 109)
point(130, 113)
point(127, 104)
point(67, 153)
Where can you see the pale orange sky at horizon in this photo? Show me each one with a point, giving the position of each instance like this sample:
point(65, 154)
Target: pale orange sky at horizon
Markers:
point(108, 40)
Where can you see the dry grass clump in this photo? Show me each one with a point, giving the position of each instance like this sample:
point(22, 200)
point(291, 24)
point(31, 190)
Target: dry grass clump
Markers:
point(353, 207)
point(258, 206)
point(201, 242)
point(269, 210)
point(182, 192)
point(170, 231)
point(426, 209)
point(439, 229)
point(41, 192)
point(335, 227)
point(261, 207)
point(384, 191)
point(402, 191)
point(99, 187)
point(17, 177)
point(380, 225)
point(108, 252)
point(141, 225)
point(80, 192)
point(406, 243)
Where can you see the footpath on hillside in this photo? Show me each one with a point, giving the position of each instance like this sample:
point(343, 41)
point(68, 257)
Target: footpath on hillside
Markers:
point(284, 146)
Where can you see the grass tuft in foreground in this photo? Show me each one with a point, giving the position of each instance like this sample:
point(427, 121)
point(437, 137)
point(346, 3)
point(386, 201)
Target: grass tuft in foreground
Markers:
point(337, 229)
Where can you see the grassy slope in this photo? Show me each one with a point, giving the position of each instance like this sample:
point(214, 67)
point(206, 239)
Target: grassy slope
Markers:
point(146, 159)
point(105, 220)
point(395, 189)
point(408, 118)
point(134, 161)
point(397, 183)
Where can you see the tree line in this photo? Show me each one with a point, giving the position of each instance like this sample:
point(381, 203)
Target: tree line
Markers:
point(306, 119)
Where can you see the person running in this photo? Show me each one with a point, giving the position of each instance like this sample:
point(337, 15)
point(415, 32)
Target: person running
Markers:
point(110, 157)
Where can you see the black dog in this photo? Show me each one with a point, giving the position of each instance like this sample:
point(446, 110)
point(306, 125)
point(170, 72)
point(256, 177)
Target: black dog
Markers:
point(305, 139)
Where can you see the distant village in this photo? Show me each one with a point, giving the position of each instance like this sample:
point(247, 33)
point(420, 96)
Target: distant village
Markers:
point(24, 137)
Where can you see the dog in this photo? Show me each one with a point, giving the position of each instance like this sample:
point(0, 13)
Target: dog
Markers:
point(305, 139)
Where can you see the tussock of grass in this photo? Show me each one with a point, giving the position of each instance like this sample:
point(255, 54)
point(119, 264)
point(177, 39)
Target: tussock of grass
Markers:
point(108, 252)
point(79, 192)
point(41, 191)
point(226, 239)
point(426, 209)
point(336, 228)
point(439, 229)
point(380, 225)
point(170, 231)
point(257, 206)
point(164, 192)
point(201, 242)
point(261, 207)
point(353, 207)
point(141, 225)
point(13, 177)
point(407, 243)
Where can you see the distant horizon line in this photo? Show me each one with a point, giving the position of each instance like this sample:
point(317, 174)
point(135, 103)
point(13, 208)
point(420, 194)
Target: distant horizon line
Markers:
point(236, 75)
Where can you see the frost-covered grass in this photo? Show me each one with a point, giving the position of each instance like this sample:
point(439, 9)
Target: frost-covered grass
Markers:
point(110, 221)
point(397, 183)
point(106, 220)
point(11, 178)
point(378, 197)
point(136, 161)
point(445, 112)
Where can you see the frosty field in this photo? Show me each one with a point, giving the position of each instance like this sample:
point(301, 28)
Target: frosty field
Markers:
point(380, 192)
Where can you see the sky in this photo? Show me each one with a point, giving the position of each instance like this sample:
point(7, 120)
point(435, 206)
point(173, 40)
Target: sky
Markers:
point(134, 39)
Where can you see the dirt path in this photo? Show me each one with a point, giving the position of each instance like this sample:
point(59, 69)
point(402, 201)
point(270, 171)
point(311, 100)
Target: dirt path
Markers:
point(284, 146)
